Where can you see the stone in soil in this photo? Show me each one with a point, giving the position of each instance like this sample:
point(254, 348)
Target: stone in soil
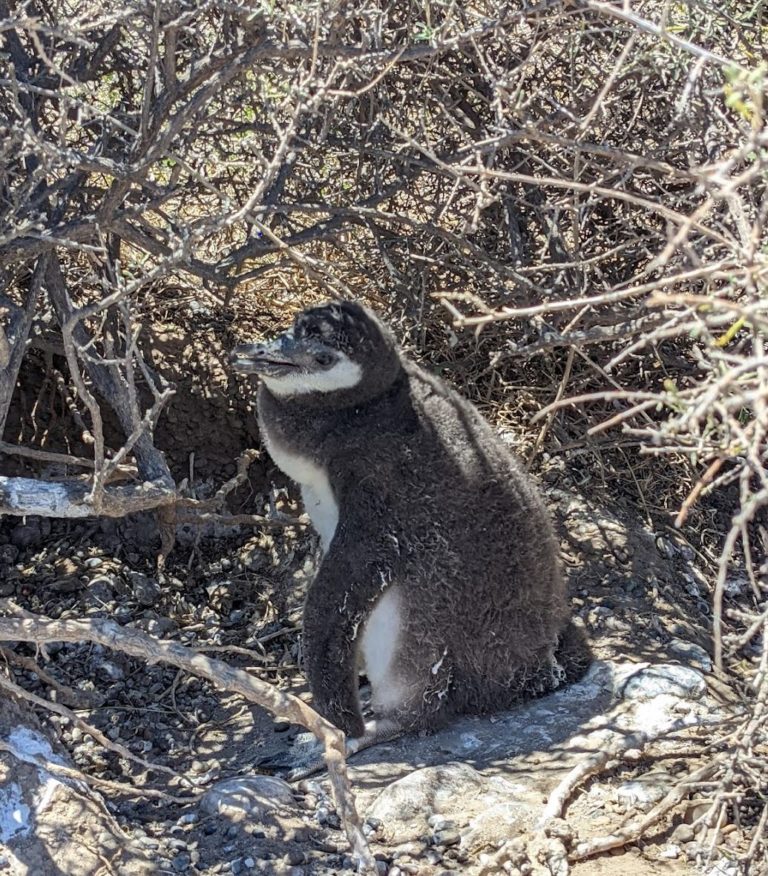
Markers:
point(247, 797)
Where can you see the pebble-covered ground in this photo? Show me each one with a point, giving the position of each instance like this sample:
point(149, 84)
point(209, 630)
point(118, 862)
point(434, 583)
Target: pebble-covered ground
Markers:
point(640, 595)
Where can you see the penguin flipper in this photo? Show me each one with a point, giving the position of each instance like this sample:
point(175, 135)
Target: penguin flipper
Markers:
point(359, 566)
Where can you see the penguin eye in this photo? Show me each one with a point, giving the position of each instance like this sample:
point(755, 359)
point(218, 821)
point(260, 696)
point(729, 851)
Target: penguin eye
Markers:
point(323, 358)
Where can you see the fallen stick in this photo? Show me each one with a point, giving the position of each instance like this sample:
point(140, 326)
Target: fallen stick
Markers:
point(138, 644)
point(23, 496)
point(633, 831)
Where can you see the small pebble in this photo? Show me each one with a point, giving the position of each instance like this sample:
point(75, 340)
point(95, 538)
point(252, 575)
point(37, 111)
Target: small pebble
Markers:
point(181, 863)
point(407, 850)
point(683, 833)
point(295, 857)
point(145, 590)
point(123, 614)
point(440, 822)
point(692, 654)
point(691, 850)
point(447, 838)
point(309, 801)
point(671, 852)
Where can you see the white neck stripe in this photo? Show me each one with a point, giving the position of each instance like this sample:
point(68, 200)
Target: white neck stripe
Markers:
point(344, 375)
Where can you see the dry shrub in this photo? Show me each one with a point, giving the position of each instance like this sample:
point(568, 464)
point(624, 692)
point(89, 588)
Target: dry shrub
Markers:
point(582, 184)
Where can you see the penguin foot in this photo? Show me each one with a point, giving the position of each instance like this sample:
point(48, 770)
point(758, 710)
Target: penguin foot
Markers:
point(305, 757)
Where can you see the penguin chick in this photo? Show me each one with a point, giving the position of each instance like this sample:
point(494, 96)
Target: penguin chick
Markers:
point(439, 576)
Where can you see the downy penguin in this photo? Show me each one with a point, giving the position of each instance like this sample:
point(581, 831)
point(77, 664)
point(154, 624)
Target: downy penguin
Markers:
point(439, 575)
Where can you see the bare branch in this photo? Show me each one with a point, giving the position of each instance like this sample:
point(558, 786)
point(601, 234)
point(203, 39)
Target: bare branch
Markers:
point(138, 644)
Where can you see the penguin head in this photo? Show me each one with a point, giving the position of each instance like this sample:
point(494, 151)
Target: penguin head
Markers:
point(338, 350)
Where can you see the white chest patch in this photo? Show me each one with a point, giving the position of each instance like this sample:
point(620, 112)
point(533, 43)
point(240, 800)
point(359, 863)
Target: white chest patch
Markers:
point(316, 492)
point(378, 649)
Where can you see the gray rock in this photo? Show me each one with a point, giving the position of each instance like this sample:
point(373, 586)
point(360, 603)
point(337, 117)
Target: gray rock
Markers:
point(683, 833)
point(145, 590)
point(123, 614)
point(496, 824)
point(438, 822)
point(724, 867)
point(181, 863)
point(665, 678)
point(693, 655)
point(159, 626)
point(294, 857)
point(100, 590)
point(247, 796)
point(671, 852)
point(736, 585)
point(642, 794)
point(111, 670)
point(447, 838)
point(407, 850)
point(405, 806)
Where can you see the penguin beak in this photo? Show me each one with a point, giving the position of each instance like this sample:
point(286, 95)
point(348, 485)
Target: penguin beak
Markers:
point(274, 358)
